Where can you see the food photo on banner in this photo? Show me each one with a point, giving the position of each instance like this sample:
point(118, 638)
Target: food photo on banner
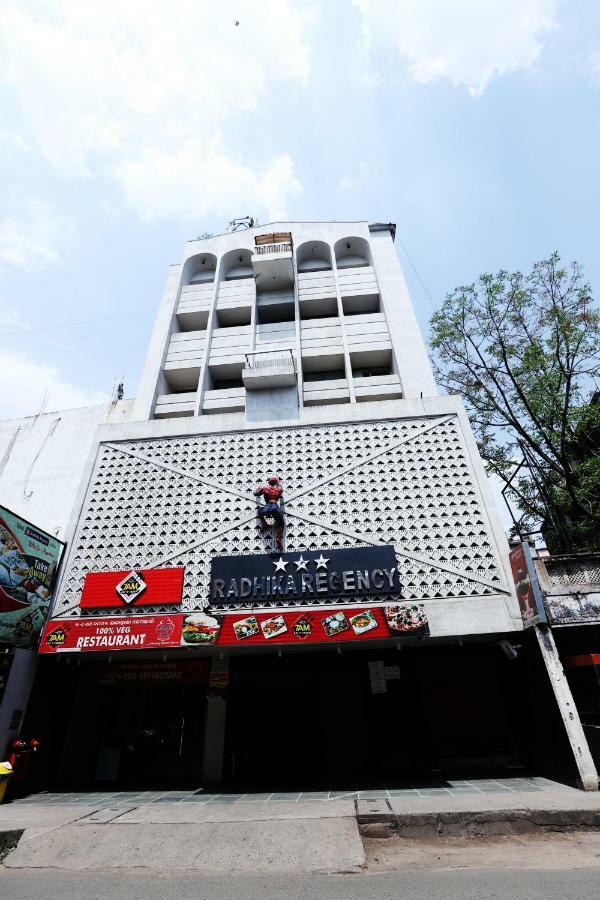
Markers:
point(29, 559)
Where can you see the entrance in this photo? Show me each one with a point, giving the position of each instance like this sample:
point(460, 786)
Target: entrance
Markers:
point(132, 724)
point(319, 720)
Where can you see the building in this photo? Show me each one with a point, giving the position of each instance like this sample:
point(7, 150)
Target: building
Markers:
point(382, 640)
point(42, 461)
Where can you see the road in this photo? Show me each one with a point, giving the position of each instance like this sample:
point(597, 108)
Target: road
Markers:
point(461, 884)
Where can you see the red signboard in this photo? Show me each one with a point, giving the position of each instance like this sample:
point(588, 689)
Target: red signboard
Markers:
point(323, 625)
point(111, 633)
point(132, 588)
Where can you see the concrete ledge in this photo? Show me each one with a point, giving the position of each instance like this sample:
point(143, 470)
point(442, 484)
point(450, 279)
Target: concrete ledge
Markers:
point(382, 823)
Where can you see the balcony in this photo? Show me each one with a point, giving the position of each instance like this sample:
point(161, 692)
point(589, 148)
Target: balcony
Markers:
point(272, 261)
point(229, 400)
point(377, 387)
point(169, 406)
point(193, 307)
point(267, 369)
point(326, 392)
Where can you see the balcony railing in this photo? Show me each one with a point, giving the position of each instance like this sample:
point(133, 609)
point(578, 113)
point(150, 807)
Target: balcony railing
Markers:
point(269, 249)
point(265, 359)
point(268, 369)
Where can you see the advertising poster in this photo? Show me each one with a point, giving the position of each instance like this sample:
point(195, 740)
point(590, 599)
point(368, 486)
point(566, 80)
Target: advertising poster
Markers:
point(29, 559)
point(323, 625)
point(529, 594)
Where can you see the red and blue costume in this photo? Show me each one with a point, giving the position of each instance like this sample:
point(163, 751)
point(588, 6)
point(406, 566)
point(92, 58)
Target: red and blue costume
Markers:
point(272, 492)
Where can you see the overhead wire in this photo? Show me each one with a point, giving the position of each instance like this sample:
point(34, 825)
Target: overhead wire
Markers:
point(417, 273)
point(75, 324)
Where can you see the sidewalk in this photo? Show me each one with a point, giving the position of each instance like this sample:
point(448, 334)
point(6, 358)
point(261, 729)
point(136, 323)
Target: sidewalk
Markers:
point(315, 832)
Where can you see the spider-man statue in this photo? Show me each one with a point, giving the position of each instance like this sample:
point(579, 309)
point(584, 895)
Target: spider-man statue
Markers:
point(272, 492)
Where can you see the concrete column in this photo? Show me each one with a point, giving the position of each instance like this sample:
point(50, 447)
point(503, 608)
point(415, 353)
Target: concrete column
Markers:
point(16, 696)
point(216, 715)
point(568, 710)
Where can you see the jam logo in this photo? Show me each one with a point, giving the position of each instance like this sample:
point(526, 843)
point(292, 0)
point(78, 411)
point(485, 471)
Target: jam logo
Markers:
point(302, 628)
point(56, 638)
point(131, 587)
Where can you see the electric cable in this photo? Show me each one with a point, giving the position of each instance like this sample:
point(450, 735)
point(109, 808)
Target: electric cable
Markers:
point(75, 324)
point(416, 271)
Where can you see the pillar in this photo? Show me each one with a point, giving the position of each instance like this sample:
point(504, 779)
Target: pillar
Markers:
point(16, 696)
point(568, 710)
point(216, 715)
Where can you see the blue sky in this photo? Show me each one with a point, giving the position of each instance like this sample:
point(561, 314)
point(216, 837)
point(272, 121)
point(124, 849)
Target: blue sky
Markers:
point(126, 130)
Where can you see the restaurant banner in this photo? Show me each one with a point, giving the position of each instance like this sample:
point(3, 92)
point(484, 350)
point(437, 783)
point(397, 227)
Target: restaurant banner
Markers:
point(529, 594)
point(306, 626)
point(132, 588)
point(29, 559)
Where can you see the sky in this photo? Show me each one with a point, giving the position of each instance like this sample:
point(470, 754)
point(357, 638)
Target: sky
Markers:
point(127, 128)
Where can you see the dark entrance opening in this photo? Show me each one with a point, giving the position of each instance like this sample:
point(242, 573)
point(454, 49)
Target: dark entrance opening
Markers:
point(314, 720)
point(134, 724)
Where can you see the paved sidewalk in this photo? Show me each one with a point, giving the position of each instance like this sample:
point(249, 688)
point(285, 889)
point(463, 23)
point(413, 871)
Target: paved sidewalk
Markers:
point(310, 832)
point(432, 788)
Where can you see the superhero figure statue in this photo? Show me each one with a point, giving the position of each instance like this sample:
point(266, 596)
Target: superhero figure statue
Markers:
point(272, 492)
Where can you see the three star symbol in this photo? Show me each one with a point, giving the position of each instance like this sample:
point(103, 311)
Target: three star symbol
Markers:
point(300, 563)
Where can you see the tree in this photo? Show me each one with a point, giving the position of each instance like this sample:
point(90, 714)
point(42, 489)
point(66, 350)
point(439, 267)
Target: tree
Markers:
point(524, 353)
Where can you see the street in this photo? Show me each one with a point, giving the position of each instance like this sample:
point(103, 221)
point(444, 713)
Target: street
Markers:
point(471, 884)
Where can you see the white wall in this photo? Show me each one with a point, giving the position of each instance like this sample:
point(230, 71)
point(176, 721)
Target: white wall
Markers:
point(42, 460)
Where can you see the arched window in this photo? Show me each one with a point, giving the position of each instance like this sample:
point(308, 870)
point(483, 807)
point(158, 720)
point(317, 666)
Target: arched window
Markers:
point(313, 256)
point(200, 269)
point(236, 264)
point(351, 252)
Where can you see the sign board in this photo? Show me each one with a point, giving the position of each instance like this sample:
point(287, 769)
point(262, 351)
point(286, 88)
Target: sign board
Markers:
point(132, 588)
point(29, 558)
point(323, 625)
point(152, 672)
point(575, 608)
point(529, 594)
point(111, 633)
point(300, 577)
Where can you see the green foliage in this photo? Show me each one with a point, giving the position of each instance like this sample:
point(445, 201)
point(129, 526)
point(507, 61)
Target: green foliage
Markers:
point(524, 353)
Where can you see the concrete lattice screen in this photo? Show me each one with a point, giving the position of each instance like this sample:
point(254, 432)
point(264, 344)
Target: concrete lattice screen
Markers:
point(407, 482)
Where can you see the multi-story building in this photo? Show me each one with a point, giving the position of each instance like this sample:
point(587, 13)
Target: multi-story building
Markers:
point(185, 643)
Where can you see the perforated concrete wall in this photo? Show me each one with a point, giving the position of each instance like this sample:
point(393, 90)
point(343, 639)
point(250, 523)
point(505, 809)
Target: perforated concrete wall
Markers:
point(181, 500)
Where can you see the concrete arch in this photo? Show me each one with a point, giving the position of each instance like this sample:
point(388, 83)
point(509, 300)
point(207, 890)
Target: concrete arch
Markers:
point(351, 252)
point(236, 264)
point(199, 269)
point(313, 256)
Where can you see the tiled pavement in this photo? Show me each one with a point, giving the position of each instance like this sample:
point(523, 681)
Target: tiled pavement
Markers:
point(459, 788)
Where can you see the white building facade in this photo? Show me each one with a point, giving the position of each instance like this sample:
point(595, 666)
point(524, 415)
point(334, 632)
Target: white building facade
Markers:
point(289, 349)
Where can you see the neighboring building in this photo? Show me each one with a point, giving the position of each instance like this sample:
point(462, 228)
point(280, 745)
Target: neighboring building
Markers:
point(570, 584)
point(42, 461)
point(186, 646)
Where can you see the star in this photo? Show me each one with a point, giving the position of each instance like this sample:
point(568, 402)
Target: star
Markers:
point(280, 564)
point(321, 562)
point(300, 563)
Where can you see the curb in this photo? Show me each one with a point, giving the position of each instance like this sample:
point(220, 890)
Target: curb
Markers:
point(471, 824)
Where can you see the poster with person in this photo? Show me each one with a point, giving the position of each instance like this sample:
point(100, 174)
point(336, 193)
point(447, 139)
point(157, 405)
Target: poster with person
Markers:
point(29, 559)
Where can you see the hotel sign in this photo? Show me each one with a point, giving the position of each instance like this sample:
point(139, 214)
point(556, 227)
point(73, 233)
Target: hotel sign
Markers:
point(302, 577)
